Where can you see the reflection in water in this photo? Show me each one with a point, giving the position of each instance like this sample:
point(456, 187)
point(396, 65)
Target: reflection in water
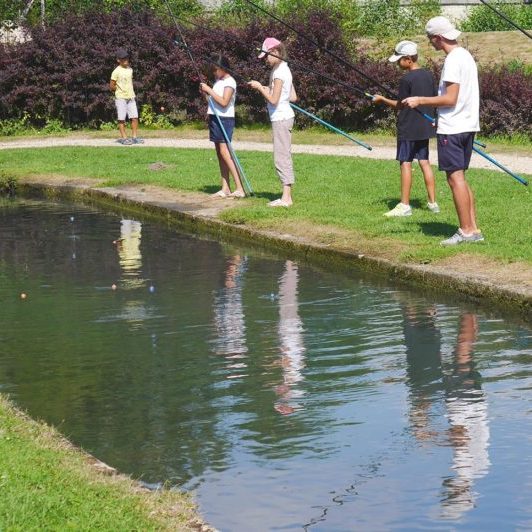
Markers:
point(467, 413)
point(465, 405)
point(383, 438)
point(229, 318)
point(130, 260)
point(291, 342)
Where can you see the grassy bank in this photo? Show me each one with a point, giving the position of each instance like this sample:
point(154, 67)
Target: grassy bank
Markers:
point(340, 199)
point(47, 484)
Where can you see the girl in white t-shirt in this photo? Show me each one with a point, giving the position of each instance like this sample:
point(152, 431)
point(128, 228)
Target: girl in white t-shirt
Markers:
point(278, 94)
point(221, 98)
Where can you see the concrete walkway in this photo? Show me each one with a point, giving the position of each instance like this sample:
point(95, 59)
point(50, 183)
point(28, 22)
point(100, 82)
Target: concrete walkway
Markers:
point(518, 163)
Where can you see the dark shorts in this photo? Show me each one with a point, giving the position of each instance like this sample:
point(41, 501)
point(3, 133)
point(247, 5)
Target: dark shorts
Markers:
point(215, 131)
point(408, 150)
point(454, 151)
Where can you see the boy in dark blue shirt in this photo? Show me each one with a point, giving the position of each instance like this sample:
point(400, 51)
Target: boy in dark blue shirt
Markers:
point(413, 130)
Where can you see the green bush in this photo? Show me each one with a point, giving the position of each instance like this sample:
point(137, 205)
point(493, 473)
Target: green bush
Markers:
point(482, 18)
point(8, 184)
point(152, 120)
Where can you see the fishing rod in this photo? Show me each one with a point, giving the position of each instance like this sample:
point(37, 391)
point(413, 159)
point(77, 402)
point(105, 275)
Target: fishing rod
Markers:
point(297, 64)
point(431, 119)
point(301, 110)
point(350, 87)
point(236, 160)
point(374, 81)
point(517, 177)
point(509, 20)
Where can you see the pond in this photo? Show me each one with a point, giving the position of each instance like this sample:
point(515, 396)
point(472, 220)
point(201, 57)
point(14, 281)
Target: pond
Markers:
point(284, 396)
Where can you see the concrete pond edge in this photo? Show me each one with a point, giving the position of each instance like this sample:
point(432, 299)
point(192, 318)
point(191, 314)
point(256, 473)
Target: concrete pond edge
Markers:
point(463, 286)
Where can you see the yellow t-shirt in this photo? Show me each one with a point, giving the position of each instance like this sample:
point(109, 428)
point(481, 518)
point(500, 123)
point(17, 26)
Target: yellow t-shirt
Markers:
point(124, 82)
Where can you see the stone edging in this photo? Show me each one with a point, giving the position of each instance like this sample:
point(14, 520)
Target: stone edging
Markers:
point(466, 286)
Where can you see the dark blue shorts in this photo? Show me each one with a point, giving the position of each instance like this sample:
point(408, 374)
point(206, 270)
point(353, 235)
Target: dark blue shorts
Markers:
point(408, 150)
point(454, 151)
point(215, 131)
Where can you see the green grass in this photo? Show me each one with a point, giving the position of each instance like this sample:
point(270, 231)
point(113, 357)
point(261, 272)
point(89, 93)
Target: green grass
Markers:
point(48, 485)
point(332, 193)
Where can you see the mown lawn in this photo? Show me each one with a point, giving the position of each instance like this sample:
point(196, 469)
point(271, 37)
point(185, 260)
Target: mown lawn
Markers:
point(349, 194)
point(47, 485)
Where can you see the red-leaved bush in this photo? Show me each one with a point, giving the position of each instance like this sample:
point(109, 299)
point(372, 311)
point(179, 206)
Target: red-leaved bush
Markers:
point(63, 73)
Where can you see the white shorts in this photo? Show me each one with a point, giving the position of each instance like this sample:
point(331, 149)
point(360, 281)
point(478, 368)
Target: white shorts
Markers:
point(126, 108)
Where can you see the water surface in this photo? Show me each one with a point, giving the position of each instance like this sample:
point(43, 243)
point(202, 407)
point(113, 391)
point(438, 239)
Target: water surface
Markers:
point(285, 397)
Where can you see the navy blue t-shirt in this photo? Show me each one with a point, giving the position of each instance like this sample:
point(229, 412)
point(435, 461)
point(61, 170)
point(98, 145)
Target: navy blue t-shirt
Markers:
point(411, 125)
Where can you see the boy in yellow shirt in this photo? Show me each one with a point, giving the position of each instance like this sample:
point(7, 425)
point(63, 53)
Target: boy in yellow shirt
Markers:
point(126, 105)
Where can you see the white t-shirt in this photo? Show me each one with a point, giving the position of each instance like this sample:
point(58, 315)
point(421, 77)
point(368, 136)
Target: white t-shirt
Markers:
point(219, 88)
point(282, 111)
point(460, 67)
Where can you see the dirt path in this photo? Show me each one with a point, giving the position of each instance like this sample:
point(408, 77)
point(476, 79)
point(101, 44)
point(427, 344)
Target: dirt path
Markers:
point(517, 162)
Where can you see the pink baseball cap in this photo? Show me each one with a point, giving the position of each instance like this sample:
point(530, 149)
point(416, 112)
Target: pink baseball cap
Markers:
point(268, 44)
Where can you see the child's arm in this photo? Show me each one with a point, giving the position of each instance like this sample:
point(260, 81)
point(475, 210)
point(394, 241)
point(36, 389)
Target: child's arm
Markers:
point(272, 96)
point(377, 98)
point(112, 85)
point(293, 95)
point(448, 99)
point(222, 101)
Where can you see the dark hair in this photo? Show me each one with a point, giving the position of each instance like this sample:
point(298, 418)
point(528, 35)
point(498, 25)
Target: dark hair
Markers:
point(219, 60)
point(280, 51)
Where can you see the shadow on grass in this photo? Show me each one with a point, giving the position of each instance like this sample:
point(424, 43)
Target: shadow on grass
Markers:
point(437, 228)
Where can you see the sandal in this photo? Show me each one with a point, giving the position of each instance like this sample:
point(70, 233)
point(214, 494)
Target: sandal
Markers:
point(279, 203)
point(238, 194)
point(220, 194)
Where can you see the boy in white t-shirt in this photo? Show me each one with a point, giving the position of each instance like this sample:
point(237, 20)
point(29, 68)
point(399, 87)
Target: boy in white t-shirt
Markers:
point(458, 120)
point(222, 97)
point(278, 95)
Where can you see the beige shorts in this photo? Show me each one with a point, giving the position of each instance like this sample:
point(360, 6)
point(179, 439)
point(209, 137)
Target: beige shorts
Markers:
point(126, 109)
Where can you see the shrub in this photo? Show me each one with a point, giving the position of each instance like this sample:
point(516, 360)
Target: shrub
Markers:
point(8, 184)
point(482, 18)
point(73, 58)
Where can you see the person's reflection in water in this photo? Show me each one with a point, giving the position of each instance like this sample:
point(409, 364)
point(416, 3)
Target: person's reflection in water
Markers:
point(229, 318)
point(469, 431)
point(291, 342)
point(424, 367)
point(464, 402)
point(130, 259)
point(130, 256)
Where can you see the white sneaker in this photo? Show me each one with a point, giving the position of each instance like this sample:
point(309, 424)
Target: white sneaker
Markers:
point(433, 207)
point(399, 210)
point(459, 237)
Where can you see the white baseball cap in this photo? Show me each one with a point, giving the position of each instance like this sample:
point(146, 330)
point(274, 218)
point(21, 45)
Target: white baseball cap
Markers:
point(404, 49)
point(444, 27)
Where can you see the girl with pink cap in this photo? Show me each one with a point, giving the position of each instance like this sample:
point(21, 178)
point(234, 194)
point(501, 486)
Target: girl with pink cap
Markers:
point(278, 95)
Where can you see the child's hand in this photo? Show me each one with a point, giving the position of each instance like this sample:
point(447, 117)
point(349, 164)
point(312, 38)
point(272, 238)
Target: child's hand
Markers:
point(205, 88)
point(411, 102)
point(255, 85)
point(377, 98)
